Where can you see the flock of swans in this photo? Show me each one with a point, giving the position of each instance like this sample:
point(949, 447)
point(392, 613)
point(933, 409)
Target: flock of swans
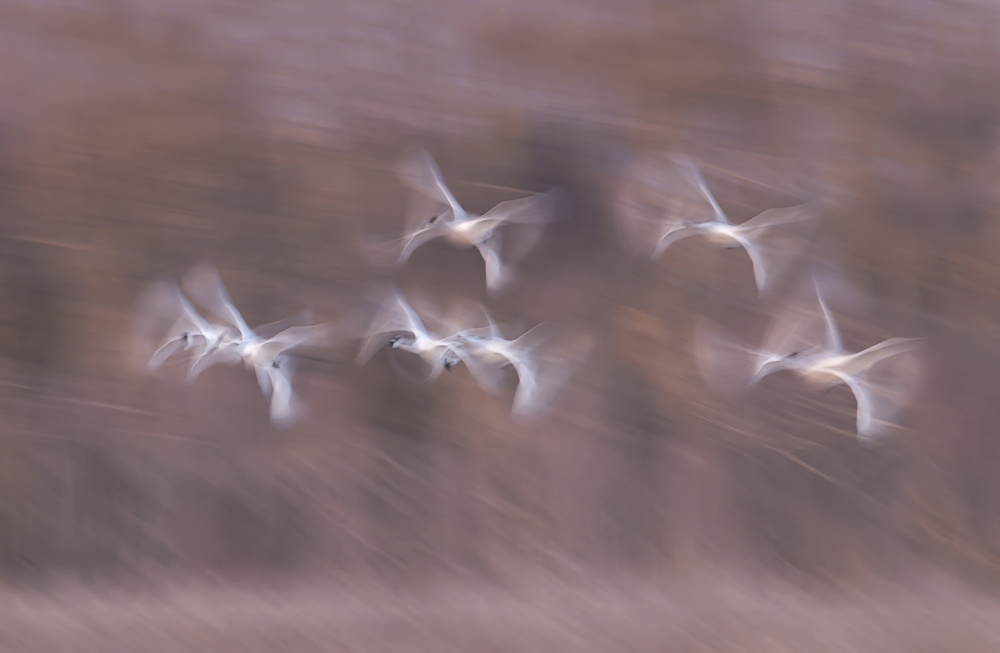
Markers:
point(656, 213)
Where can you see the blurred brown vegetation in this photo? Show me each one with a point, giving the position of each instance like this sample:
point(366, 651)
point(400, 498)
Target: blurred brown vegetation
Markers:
point(140, 138)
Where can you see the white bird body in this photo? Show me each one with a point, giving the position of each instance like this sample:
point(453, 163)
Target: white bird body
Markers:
point(716, 232)
point(435, 351)
point(723, 235)
point(473, 230)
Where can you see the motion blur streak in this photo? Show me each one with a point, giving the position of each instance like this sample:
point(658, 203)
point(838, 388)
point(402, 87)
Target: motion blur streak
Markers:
point(644, 510)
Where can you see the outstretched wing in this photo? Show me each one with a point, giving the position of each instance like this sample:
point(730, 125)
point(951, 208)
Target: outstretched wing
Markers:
point(379, 337)
point(756, 260)
point(228, 355)
point(534, 209)
point(524, 220)
point(776, 238)
point(675, 232)
point(797, 329)
point(485, 370)
point(286, 407)
point(808, 212)
point(396, 317)
point(498, 275)
point(542, 375)
point(537, 380)
point(160, 319)
point(834, 343)
point(655, 202)
point(864, 360)
point(396, 251)
point(488, 366)
point(882, 395)
point(273, 328)
point(202, 282)
point(692, 174)
point(410, 317)
point(418, 170)
point(494, 328)
point(296, 336)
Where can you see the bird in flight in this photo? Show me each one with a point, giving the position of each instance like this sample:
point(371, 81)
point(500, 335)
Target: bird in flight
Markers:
point(807, 341)
point(690, 209)
point(461, 228)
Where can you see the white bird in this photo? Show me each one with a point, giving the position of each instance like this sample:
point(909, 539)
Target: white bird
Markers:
point(399, 326)
point(685, 218)
point(163, 302)
point(268, 357)
point(811, 346)
point(419, 171)
point(487, 354)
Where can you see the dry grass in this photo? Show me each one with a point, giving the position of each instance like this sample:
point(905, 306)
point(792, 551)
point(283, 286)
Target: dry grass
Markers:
point(746, 615)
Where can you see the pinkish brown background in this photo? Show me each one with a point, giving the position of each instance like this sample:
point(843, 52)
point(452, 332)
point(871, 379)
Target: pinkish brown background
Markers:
point(645, 512)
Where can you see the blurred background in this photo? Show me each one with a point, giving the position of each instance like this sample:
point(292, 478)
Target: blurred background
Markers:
point(140, 138)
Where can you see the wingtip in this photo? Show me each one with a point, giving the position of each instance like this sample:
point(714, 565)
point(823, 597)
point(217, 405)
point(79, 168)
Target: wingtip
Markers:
point(761, 286)
point(284, 420)
point(498, 281)
point(870, 436)
point(681, 159)
point(414, 155)
point(204, 269)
